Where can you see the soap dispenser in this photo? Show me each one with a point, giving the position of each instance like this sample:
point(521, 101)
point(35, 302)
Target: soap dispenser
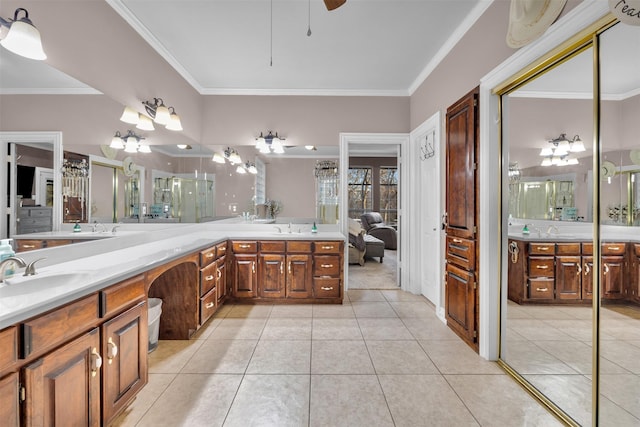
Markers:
point(314, 229)
point(77, 228)
point(525, 230)
point(6, 251)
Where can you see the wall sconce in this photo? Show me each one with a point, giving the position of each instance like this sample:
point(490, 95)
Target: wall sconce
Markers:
point(162, 114)
point(247, 167)
point(22, 37)
point(270, 142)
point(558, 155)
point(129, 142)
point(229, 154)
point(131, 116)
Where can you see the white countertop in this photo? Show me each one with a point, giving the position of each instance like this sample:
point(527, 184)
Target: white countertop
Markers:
point(90, 266)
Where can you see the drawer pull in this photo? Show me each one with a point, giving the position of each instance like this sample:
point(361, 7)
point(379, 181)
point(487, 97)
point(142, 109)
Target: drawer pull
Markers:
point(587, 270)
point(326, 265)
point(542, 267)
point(289, 267)
point(281, 267)
point(457, 241)
point(325, 288)
point(210, 255)
point(544, 248)
point(112, 350)
point(606, 268)
point(28, 246)
point(542, 289)
point(209, 278)
point(219, 273)
point(579, 269)
point(96, 362)
point(253, 266)
point(244, 246)
point(327, 247)
point(613, 248)
point(209, 305)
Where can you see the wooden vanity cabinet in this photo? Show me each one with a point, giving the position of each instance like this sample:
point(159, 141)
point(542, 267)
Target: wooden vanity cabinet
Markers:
point(82, 363)
point(612, 273)
point(568, 271)
point(271, 276)
point(299, 269)
point(9, 385)
point(327, 269)
point(244, 269)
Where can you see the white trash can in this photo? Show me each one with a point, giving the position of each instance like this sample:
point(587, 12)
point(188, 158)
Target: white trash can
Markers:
point(155, 310)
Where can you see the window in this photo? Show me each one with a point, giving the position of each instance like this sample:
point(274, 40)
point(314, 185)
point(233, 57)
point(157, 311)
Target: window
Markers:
point(360, 191)
point(389, 194)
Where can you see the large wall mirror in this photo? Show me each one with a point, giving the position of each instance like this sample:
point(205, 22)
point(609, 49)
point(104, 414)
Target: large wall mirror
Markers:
point(564, 285)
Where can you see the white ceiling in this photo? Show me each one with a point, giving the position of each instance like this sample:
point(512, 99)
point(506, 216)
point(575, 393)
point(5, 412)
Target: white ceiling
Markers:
point(365, 47)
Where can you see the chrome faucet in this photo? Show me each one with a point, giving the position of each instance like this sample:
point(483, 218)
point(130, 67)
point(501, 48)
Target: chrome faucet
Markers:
point(278, 228)
point(113, 230)
point(5, 262)
point(96, 225)
point(289, 228)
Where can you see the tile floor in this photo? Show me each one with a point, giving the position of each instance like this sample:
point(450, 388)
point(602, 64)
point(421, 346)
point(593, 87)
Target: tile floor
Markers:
point(551, 347)
point(382, 358)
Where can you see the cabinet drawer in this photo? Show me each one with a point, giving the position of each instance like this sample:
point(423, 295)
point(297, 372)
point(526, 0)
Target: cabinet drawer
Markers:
point(541, 288)
point(461, 252)
point(326, 265)
point(28, 245)
point(40, 221)
point(207, 256)
point(221, 249)
point(276, 246)
point(52, 329)
point(298, 247)
point(8, 347)
point(118, 297)
point(614, 248)
point(542, 248)
point(568, 248)
point(244, 247)
point(326, 247)
point(541, 267)
point(636, 248)
point(208, 278)
point(208, 305)
point(39, 213)
point(326, 288)
point(587, 249)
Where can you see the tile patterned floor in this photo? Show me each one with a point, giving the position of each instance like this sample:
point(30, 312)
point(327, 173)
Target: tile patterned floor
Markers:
point(382, 358)
point(551, 347)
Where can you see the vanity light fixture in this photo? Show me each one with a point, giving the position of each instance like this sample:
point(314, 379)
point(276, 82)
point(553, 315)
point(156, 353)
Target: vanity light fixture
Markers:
point(229, 154)
point(558, 154)
point(163, 115)
point(241, 170)
point(270, 143)
point(184, 146)
point(130, 142)
point(21, 36)
point(311, 147)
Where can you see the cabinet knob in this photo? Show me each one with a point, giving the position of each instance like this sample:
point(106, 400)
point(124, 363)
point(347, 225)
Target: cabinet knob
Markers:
point(209, 278)
point(96, 362)
point(210, 255)
point(209, 305)
point(112, 350)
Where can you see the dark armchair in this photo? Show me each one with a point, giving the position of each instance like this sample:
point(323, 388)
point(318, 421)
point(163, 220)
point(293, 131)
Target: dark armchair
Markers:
point(375, 226)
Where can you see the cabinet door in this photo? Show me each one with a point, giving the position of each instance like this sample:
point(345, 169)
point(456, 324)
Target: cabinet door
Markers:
point(245, 275)
point(9, 412)
point(299, 277)
point(461, 166)
point(612, 277)
point(222, 279)
point(63, 387)
point(460, 302)
point(587, 277)
point(272, 275)
point(568, 277)
point(124, 347)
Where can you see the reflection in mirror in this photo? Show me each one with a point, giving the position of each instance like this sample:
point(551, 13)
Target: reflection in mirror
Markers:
point(546, 331)
point(619, 314)
point(16, 149)
point(116, 191)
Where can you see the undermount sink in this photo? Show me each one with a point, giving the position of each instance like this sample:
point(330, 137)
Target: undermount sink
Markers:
point(25, 285)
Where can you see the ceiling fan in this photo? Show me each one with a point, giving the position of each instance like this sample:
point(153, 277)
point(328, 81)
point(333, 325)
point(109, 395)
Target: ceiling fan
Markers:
point(334, 4)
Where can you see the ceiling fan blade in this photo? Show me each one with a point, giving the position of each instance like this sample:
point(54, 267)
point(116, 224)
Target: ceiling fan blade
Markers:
point(334, 4)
